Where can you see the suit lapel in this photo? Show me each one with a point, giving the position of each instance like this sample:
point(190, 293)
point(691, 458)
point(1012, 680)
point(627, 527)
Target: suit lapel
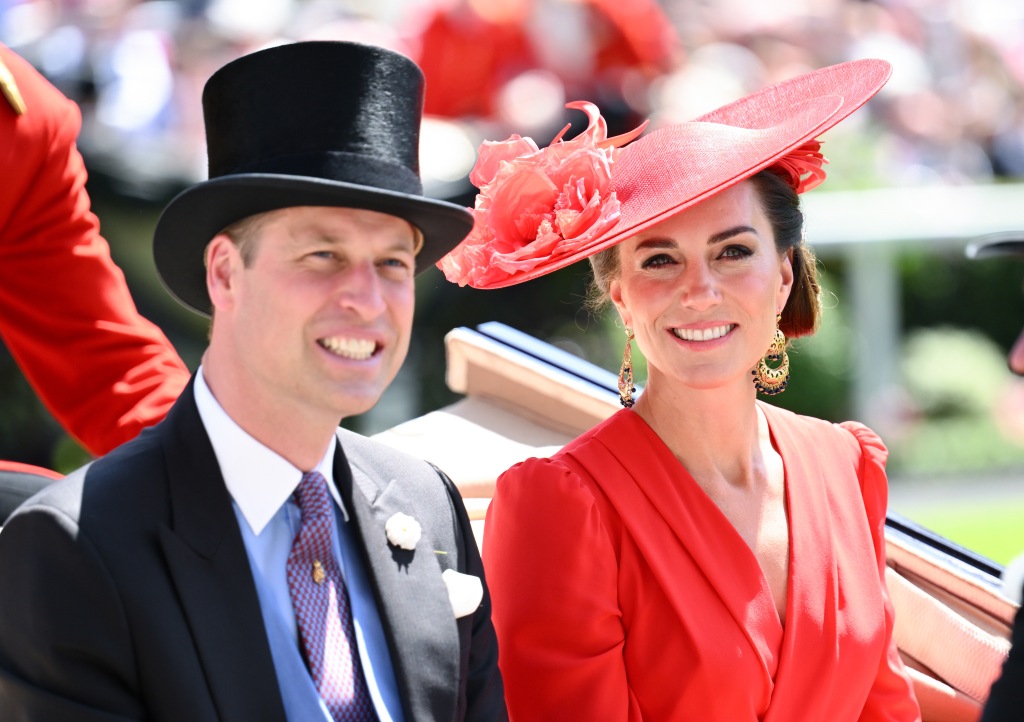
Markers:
point(210, 568)
point(408, 590)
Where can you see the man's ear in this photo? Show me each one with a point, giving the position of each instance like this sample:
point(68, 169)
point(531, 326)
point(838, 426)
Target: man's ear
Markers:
point(223, 260)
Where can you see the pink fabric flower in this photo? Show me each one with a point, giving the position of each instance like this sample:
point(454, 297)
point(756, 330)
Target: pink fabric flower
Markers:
point(800, 161)
point(493, 152)
point(537, 204)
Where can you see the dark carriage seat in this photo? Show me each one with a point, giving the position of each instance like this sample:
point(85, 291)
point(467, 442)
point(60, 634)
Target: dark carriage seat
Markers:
point(20, 481)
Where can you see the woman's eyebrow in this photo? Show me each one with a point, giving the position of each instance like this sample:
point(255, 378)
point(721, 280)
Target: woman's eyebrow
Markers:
point(662, 242)
point(655, 243)
point(729, 233)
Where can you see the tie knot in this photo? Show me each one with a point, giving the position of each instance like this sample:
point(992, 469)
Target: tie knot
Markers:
point(312, 496)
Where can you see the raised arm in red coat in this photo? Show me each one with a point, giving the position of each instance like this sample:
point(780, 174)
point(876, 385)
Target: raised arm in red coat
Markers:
point(65, 312)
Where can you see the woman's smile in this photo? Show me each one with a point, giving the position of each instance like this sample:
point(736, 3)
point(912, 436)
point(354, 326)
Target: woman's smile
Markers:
point(709, 333)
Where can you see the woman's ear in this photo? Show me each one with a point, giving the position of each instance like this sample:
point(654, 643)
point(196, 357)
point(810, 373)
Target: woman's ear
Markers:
point(786, 287)
point(615, 294)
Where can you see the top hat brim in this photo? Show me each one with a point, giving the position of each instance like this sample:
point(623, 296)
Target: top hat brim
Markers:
point(677, 166)
point(996, 245)
point(199, 213)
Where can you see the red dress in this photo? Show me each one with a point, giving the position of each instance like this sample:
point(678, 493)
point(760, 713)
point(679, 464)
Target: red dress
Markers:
point(621, 592)
point(66, 315)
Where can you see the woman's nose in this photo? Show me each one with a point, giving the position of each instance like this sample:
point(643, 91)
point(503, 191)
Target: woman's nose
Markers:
point(700, 291)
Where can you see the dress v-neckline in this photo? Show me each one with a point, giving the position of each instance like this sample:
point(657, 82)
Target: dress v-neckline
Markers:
point(769, 641)
point(674, 522)
point(787, 506)
point(677, 547)
point(723, 520)
point(741, 541)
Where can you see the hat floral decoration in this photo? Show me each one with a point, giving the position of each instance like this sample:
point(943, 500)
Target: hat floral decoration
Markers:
point(537, 204)
point(806, 159)
point(541, 210)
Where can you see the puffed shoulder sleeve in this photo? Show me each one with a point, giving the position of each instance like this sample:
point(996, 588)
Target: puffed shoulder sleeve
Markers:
point(892, 696)
point(552, 570)
point(874, 483)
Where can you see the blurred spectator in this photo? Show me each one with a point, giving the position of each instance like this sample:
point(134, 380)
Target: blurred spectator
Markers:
point(468, 50)
point(953, 113)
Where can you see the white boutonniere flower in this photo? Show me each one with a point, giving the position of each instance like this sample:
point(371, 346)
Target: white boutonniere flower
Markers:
point(403, 531)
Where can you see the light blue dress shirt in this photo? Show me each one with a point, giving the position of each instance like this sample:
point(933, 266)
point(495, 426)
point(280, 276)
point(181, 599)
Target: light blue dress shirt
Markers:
point(261, 484)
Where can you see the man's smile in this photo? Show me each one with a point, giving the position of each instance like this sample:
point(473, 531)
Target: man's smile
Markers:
point(358, 349)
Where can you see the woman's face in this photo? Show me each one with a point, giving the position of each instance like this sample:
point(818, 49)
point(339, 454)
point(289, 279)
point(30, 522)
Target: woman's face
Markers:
point(701, 290)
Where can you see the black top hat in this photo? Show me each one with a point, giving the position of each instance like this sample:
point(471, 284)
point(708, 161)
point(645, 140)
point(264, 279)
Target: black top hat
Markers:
point(993, 245)
point(305, 124)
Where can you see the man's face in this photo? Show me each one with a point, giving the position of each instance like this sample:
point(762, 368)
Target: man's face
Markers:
point(318, 322)
point(1017, 355)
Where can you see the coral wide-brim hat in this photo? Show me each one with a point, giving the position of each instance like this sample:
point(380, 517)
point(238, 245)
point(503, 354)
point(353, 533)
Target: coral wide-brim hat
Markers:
point(321, 123)
point(996, 245)
point(652, 179)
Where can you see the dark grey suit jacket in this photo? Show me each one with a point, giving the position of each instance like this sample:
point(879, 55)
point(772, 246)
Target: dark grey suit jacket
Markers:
point(126, 592)
point(1006, 699)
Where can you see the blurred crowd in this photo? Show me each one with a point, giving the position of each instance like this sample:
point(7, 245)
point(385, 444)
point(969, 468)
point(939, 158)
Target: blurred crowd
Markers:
point(952, 113)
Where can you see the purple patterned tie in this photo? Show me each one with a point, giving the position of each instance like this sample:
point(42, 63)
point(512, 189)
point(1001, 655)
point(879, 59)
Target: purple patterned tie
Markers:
point(322, 610)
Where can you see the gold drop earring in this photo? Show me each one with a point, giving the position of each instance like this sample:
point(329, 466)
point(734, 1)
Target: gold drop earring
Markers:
point(773, 381)
point(626, 387)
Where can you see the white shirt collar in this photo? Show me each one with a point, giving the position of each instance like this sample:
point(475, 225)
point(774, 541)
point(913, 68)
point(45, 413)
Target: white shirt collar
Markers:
point(259, 480)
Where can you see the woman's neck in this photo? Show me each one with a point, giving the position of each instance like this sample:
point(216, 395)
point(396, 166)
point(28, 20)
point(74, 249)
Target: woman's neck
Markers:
point(717, 434)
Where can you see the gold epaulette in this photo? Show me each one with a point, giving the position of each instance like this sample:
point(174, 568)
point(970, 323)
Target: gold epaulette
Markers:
point(10, 89)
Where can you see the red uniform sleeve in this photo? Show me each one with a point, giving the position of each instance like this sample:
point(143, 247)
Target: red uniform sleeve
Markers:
point(552, 572)
point(65, 311)
point(892, 695)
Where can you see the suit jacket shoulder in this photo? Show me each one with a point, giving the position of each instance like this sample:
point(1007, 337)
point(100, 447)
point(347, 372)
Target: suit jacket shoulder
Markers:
point(131, 573)
point(1006, 699)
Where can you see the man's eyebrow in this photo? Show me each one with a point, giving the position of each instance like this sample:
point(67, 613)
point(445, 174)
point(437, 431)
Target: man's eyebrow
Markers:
point(404, 243)
point(326, 238)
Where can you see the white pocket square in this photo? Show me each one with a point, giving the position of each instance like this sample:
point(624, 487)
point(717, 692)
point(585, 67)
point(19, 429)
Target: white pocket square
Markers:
point(465, 592)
